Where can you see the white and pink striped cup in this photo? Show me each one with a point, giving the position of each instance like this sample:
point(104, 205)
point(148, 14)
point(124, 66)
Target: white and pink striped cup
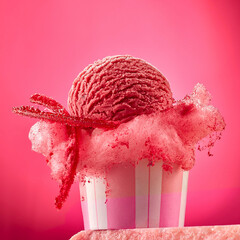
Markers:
point(140, 197)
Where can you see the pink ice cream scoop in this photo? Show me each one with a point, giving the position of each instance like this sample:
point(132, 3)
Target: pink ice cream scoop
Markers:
point(119, 88)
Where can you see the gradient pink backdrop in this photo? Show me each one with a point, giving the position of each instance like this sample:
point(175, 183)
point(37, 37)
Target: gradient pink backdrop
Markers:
point(45, 44)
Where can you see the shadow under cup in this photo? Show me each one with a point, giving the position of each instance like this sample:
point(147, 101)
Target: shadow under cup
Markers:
point(139, 197)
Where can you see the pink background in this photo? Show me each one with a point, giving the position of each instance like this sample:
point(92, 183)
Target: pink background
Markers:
point(45, 44)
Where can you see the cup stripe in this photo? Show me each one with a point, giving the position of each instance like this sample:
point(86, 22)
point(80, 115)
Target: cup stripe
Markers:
point(183, 199)
point(84, 205)
point(91, 203)
point(121, 198)
point(155, 178)
point(100, 201)
point(149, 182)
point(171, 197)
point(141, 194)
point(95, 198)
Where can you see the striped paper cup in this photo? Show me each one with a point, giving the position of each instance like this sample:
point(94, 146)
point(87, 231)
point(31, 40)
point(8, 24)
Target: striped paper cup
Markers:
point(140, 197)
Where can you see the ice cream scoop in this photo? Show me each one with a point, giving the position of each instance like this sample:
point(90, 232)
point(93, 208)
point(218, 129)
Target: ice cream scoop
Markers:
point(119, 88)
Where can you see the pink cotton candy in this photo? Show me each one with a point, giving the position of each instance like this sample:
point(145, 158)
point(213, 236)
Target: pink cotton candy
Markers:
point(169, 136)
point(58, 143)
point(46, 135)
point(51, 140)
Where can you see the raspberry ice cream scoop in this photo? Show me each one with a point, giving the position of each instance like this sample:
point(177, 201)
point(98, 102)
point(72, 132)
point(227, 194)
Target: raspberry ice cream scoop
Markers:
point(119, 88)
point(121, 111)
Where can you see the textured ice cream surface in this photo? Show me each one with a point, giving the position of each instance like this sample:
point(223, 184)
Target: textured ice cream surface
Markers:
point(119, 88)
point(188, 233)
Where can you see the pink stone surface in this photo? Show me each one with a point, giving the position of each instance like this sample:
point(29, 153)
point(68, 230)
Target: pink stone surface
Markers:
point(191, 233)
